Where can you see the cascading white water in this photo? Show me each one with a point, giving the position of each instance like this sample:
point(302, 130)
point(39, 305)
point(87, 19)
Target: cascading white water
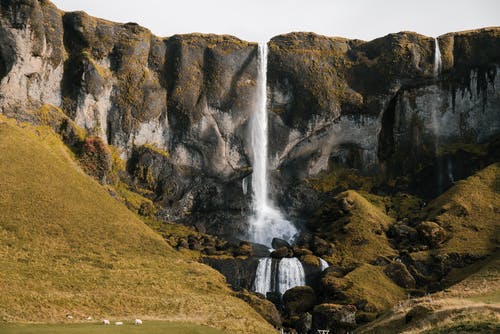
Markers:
point(437, 58)
point(290, 274)
point(323, 264)
point(263, 276)
point(270, 277)
point(266, 222)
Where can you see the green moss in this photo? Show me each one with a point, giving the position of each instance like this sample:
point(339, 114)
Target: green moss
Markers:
point(367, 283)
point(475, 149)
point(468, 211)
point(155, 149)
point(359, 234)
point(341, 179)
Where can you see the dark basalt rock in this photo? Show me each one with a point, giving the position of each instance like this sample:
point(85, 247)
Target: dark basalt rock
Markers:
point(239, 273)
point(278, 243)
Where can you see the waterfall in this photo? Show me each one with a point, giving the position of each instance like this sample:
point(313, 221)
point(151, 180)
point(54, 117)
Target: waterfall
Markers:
point(323, 263)
point(274, 275)
point(290, 274)
point(437, 58)
point(263, 276)
point(266, 222)
point(435, 119)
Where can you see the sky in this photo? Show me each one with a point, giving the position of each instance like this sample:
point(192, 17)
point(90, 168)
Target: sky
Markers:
point(259, 20)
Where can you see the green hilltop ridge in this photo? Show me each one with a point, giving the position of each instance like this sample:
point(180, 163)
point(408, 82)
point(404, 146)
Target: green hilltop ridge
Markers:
point(68, 247)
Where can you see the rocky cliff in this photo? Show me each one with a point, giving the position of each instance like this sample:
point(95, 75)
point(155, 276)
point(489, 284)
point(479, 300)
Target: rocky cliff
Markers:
point(177, 108)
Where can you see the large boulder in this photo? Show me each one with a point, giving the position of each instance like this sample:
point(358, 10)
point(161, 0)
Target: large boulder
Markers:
point(299, 299)
point(334, 317)
point(278, 243)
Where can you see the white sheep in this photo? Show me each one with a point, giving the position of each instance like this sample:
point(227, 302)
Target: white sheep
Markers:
point(138, 322)
point(118, 323)
point(105, 322)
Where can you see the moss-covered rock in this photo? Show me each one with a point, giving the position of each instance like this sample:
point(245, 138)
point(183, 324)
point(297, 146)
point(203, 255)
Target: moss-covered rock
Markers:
point(299, 299)
point(431, 233)
point(366, 286)
point(356, 227)
point(334, 317)
point(398, 272)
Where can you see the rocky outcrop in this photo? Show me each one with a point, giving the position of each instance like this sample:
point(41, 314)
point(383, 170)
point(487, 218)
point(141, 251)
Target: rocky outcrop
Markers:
point(378, 107)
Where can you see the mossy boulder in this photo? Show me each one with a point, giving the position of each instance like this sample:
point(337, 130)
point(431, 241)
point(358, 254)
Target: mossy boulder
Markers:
point(431, 233)
point(310, 260)
point(334, 317)
point(299, 299)
point(281, 253)
point(400, 275)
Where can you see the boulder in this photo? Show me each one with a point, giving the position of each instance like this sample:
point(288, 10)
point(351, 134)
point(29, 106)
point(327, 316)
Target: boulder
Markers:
point(281, 253)
point(334, 317)
point(301, 323)
point(298, 252)
point(400, 275)
point(244, 249)
point(299, 299)
point(278, 243)
point(321, 247)
point(431, 233)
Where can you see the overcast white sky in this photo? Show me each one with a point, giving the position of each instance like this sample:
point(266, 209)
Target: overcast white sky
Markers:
point(258, 20)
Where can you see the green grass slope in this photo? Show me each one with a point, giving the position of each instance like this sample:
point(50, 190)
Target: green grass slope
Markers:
point(470, 212)
point(67, 247)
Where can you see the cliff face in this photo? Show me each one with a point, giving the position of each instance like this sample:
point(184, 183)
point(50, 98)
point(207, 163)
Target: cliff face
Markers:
point(373, 106)
point(380, 107)
point(188, 95)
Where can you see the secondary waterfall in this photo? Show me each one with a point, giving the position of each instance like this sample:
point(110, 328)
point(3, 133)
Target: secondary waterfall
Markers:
point(323, 264)
point(267, 221)
point(290, 274)
point(437, 58)
point(278, 275)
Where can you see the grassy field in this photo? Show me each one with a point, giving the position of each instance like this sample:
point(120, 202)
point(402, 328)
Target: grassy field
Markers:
point(149, 327)
point(68, 247)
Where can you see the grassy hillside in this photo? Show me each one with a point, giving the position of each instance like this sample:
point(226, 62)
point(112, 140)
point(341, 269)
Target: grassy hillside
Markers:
point(67, 247)
point(469, 211)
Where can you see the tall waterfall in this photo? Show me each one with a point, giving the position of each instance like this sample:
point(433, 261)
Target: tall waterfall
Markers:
point(267, 221)
point(275, 275)
point(435, 123)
